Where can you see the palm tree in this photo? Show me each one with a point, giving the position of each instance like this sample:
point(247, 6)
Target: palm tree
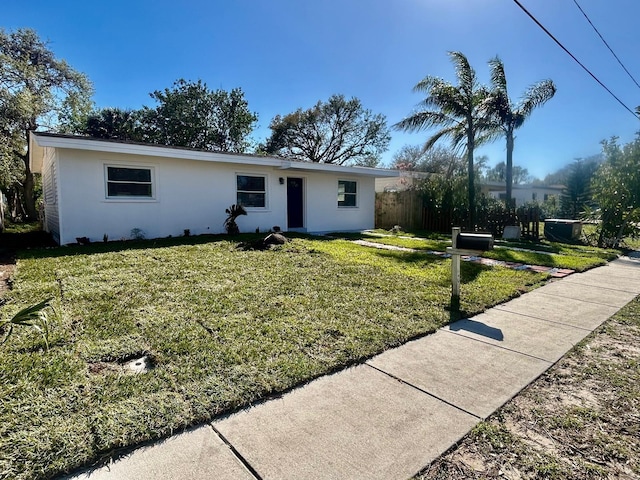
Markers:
point(510, 116)
point(455, 109)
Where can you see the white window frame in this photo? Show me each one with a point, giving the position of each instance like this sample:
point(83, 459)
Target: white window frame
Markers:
point(131, 198)
point(355, 195)
point(265, 192)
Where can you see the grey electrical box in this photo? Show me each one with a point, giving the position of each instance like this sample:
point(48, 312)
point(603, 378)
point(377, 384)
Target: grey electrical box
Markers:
point(561, 230)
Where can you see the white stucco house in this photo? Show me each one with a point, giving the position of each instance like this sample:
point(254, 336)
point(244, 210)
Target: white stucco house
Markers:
point(94, 187)
point(404, 180)
point(522, 193)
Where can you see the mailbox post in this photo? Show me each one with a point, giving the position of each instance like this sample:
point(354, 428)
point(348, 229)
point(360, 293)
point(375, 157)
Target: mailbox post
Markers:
point(464, 244)
point(455, 266)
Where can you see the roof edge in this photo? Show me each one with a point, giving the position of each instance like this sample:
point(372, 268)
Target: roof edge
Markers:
point(40, 140)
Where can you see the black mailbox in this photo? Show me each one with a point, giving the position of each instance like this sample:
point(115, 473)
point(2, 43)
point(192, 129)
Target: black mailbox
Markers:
point(474, 241)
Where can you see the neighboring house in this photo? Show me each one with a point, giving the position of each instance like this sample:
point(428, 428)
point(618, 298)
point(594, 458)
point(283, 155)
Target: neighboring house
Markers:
point(522, 193)
point(403, 180)
point(94, 187)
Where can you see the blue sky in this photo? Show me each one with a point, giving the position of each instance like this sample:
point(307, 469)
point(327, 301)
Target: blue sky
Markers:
point(287, 54)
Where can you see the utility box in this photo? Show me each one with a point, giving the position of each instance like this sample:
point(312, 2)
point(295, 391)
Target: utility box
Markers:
point(474, 241)
point(562, 230)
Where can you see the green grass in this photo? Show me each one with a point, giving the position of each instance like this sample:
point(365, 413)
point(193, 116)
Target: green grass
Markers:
point(575, 257)
point(576, 261)
point(26, 227)
point(222, 327)
point(436, 243)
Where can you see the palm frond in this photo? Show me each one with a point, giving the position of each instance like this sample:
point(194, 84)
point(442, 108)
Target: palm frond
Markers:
point(535, 96)
point(489, 135)
point(34, 316)
point(498, 77)
point(423, 119)
point(466, 75)
point(427, 84)
point(453, 132)
point(27, 315)
point(449, 99)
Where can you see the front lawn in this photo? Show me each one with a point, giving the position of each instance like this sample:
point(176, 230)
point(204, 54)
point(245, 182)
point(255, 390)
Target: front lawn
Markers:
point(548, 254)
point(220, 328)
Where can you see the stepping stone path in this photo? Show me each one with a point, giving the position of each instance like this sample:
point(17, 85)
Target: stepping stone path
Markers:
point(552, 271)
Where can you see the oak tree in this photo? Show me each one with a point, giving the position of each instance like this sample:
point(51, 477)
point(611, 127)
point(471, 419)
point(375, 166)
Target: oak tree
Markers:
point(337, 131)
point(38, 91)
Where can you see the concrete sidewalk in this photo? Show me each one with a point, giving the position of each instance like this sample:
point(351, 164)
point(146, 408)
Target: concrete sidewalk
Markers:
point(393, 415)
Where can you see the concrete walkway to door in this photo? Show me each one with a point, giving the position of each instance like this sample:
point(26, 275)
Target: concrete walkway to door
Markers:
point(393, 415)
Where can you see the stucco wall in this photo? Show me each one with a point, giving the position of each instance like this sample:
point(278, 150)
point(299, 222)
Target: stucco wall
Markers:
point(324, 215)
point(193, 195)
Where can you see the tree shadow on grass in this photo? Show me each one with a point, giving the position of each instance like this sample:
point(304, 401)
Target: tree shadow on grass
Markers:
point(527, 258)
point(23, 240)
point(126, 245)
point(403, 256)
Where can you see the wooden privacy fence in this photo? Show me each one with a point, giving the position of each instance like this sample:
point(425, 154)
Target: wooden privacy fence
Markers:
point(437, 221)
point(402, 208)
point(529, 221)
point(406, 209)
point(527, 218)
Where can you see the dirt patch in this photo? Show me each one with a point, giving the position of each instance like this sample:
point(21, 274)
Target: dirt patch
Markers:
point(580, 420)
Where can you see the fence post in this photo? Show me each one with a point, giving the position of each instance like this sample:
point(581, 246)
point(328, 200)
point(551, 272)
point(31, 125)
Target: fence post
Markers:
point(455, 268)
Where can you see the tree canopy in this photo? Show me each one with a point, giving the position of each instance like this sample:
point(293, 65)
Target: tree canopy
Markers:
point(498, 173)
point(561, 175)
point(437, 160)
point(576, 195)
point(338, 131)
point(191, 115)
point(616, 191)
point(113, 123)
point(37, 92)
point(187, 115)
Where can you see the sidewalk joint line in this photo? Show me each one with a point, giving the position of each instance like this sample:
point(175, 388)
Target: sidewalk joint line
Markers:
point(423, 391)
point(237, 454)
point(499, 346)
point(578, 282)
point(501, 308)
point(586, 301)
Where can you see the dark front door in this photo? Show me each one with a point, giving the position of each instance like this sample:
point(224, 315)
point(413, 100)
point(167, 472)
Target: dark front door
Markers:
point(294, 203)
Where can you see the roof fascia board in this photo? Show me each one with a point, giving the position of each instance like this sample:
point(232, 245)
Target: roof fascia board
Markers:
point(327, 167)
point(36, 154)
point(150, 150)
point(160, 151)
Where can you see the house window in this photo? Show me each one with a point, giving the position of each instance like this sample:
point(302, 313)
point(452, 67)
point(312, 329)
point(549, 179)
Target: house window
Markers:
point(534, 196)
point(251, 190)
point(347, 193)
point(129, 182)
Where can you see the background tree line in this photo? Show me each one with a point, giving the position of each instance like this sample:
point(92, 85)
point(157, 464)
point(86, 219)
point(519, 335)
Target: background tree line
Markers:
point(39, 91)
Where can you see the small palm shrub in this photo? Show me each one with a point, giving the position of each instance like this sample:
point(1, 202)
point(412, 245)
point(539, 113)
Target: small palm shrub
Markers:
point(233, 212)
point(34, 316)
